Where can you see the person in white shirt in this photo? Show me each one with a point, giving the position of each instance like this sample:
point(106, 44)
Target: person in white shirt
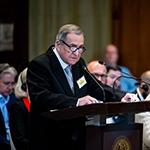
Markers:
point(143, 93)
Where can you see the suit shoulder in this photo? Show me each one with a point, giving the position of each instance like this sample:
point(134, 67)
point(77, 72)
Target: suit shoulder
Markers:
point(40, 61)
point(43, 58)
point(40, 58)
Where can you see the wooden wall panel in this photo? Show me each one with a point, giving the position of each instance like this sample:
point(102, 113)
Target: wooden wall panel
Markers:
point(144, 37)
point(131, 33)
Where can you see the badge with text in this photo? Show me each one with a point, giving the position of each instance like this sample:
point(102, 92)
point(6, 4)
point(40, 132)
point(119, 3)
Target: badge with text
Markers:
point(81, 82)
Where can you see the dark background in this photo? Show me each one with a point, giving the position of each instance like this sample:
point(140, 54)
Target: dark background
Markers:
point(16, 12)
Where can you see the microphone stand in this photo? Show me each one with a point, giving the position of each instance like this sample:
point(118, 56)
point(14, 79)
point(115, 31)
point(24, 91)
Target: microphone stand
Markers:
point(85, 68)
point(130, 77)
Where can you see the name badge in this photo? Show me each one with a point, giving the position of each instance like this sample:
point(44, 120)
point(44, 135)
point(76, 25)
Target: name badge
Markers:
point(81, 82)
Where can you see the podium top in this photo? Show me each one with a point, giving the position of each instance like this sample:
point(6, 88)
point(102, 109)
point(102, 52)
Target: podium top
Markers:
point(108, 108)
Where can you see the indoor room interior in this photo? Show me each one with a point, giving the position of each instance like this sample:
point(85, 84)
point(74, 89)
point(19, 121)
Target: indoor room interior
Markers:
point(29, 27)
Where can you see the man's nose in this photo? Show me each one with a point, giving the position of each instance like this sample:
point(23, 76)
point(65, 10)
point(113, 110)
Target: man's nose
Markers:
point(11, 86)
point(99, 78)
point(76, 53)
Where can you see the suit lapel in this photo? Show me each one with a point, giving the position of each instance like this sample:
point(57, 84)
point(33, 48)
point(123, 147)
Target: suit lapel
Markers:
point(76, 76)
point(59, 73)
point(2, 124)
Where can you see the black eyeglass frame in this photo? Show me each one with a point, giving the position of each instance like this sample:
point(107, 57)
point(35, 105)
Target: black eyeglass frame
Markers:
point(73, 49)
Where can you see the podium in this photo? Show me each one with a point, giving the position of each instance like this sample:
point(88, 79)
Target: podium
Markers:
point(123, 136)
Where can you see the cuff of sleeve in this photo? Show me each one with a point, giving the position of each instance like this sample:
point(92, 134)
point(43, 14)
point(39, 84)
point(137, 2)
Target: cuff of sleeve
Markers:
point(77, 104)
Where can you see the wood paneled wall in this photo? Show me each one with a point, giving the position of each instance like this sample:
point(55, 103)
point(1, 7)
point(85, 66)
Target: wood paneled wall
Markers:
point(131, 33)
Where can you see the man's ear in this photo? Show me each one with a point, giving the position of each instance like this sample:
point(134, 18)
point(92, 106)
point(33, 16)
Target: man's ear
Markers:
point(57, 42)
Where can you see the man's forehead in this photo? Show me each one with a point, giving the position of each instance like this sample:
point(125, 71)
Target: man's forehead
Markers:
point(100, 68)
point(7, 76)
point(72, 37)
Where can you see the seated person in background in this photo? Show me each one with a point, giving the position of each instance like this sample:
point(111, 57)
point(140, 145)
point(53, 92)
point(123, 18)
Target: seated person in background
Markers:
point(111, 58)
point(19, 114)
point(108, 77)
point(113, 75)
point(113, 81)
point(143, 91)
point(7, 83)
point(98, 70)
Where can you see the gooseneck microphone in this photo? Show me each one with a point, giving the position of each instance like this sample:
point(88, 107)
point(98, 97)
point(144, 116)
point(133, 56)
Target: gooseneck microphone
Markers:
point(124, 76)
point(117, 68)
point(93, 78)
point(145, 87)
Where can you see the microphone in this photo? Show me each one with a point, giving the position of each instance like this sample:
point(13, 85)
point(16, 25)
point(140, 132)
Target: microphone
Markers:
point(145, 87)
point(93, 78)
point(116, 68)
point(126, 75)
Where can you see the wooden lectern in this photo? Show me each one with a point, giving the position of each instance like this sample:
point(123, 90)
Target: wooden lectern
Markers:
point(123, 136)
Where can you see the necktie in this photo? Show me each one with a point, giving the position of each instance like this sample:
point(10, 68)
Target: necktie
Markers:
point(68, 73)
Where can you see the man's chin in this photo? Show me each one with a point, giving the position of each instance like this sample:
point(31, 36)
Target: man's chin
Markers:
point(6, 94)
point(73, 62)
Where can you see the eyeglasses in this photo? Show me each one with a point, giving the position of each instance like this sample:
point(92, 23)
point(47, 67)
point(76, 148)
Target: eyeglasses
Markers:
point(74, 48)
point(103, 76)
point(9, 83)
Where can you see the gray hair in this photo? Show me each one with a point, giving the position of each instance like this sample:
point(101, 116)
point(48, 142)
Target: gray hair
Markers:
point(66, 29)
point(5, 68)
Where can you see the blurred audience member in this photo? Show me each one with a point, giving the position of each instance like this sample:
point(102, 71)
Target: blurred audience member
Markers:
point(19, 114)
point(106, 76)
point(98, 70)
point(142, 92)
point(113, 75)
point(111, 58)
point(7, 82)
point(144, 88)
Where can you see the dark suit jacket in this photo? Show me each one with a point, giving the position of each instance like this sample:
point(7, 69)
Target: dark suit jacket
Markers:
point(49, 89)
point(19, 125)
point(2, 124)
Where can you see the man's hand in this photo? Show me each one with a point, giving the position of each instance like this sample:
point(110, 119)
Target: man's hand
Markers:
point(129, 97)
point(86, 100)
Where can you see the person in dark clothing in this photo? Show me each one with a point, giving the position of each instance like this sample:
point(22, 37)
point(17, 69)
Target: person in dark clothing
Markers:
point(56, 80)
point(20, 114)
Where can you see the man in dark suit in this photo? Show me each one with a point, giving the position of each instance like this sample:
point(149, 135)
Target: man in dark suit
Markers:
point(52, 87)
point(7, 82)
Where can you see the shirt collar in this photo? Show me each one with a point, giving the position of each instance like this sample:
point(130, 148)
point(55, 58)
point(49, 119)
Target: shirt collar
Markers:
point(4, 100)
point(139, 94)
point(62, 63)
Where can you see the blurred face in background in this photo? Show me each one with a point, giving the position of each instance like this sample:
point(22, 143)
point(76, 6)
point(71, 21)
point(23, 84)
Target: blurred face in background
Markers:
point(144, 86)
point(7, 82)
point(111, 55)
point(112, 75)
point(98, 70)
